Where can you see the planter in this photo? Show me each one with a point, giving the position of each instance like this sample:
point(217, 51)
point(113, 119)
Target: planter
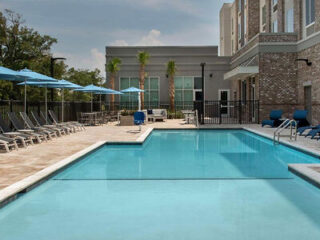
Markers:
point(126, 121)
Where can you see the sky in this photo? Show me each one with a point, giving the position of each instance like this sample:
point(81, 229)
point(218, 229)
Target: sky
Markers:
point(85, 27)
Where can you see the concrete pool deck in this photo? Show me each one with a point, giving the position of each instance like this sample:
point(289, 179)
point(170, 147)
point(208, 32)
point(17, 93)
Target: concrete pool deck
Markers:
point(20, 168)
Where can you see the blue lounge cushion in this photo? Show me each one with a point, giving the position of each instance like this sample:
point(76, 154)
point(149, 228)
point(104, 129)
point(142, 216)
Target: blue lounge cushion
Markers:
point(274, 120)
point(138, 118)
point(276, 114)
point(300, 114)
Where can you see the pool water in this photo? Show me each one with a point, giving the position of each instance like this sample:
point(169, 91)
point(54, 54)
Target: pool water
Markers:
point(186, 184)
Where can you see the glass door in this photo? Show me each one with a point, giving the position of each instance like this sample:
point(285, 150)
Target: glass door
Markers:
point(224, 102)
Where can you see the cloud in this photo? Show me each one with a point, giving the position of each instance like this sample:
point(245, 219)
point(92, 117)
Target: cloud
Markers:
point(94, 59)
point(151, 39)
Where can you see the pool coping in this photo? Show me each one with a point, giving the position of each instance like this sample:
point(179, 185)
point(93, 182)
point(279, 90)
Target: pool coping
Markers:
point(13, 191)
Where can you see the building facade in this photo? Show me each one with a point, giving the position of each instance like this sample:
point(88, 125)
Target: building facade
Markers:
point(268, 37)
point(188, 80)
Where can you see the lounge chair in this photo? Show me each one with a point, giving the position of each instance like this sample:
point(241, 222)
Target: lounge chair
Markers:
point(7, 143)
point(313, 133)
point(274, 120)
point(138, 119)
point(300, 116)
point(54, 118)
point(301, 130)
point(41, 123)
point(67, 129)
point(24, 139)
point(19, 126)
point(49, 132)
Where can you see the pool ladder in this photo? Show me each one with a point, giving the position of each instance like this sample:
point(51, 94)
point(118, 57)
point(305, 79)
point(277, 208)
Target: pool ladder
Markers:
point(292, 125)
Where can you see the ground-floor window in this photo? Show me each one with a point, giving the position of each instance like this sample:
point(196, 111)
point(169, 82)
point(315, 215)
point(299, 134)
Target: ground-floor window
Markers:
point(187, 90)
point(151, 95)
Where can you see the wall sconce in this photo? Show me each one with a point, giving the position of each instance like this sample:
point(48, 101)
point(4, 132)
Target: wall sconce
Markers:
point(304, 60)
point(167, 75)
point(211, 75)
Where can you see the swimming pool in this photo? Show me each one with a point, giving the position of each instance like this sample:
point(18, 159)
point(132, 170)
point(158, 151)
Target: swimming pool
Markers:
point(186, 184)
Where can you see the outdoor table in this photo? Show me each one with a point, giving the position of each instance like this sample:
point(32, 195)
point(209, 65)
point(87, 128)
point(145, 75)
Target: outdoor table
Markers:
point(91, 117)
point(188, 114)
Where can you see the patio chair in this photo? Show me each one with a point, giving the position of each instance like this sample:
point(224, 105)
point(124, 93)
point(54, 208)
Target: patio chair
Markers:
point(66, 128)
point(300, 116)
point(50, 133)
point(54, 118)
point(7, 143)
point(138, 119)
point(274, 120)
point(24, 139)
point(19, 126)
point(301, 130)
point(41, 123)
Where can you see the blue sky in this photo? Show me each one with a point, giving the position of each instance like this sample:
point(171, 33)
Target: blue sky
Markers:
point(84, 27)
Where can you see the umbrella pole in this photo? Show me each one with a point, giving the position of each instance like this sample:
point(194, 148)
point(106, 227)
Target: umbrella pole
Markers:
point(62, 105)
point(100, 103)
point(91, 102)
point(139, 101)
point(25, 95)
point(45, 94)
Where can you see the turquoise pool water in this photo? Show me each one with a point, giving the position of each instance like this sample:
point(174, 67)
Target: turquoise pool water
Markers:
point(209, 184)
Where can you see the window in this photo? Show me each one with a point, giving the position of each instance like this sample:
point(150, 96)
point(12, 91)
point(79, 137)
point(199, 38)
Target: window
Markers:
point(245, 23)
point(239, 5)
point(275, 26)
point(245, 2)
point(183, 91)
point(289, 20)
point(264, 15)
point(310, 12)
point(151, 94)
point(274, 2)
point(239, 31)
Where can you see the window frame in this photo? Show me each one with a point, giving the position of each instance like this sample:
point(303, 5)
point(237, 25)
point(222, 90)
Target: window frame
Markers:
point(308, 2)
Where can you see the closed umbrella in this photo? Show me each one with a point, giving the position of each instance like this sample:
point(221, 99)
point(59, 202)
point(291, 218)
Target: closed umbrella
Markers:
point(134, 90)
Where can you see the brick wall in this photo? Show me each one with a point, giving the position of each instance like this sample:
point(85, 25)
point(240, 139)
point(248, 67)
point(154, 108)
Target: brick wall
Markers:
point(310, 74)
point(253, 18)
point(277, 82)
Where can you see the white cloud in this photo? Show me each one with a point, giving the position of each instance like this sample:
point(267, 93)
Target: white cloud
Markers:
point(94, 59)
point(151, 39)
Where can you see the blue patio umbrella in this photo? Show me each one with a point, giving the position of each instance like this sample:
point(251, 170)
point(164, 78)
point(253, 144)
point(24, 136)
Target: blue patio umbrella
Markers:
point(96, 90)
point(64, 84)
point(11, 75)
point(49, 84)
point(27, 74)
point(134, 90)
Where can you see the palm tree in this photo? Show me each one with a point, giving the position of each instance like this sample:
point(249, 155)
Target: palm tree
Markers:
point(143, 58)
point(171, 71)
point(112, 68)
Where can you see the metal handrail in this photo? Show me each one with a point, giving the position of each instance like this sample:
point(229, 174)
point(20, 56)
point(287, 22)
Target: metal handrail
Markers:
point(286, 123)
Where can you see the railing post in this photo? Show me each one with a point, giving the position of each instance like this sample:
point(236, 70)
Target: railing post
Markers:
point(219, 109)
point(258, 117)
point(11, 106)
point(240, 112)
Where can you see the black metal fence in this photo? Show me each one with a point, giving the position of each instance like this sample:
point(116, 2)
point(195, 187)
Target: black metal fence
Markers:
point(215, 112)
point(228, 112)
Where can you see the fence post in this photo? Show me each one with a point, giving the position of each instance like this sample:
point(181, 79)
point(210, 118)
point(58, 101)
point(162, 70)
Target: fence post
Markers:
point(219, 109)
point(10, 106)
point(240, 112)
point(39, 108)
point(258, 104)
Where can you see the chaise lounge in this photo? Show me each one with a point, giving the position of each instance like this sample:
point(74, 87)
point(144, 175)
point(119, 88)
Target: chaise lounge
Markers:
point(274, 121)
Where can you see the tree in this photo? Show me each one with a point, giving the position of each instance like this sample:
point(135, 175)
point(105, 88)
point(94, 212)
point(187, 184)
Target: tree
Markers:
point(143, 58)
point(82, 78)
point(171, 71)
point(112, 68)
point(22, 47)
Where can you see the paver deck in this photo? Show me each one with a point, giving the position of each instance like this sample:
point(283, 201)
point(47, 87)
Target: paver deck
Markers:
point(17, 165)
